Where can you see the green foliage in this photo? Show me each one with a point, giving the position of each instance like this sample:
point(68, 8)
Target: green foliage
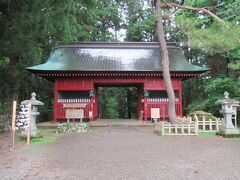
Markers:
point(29, 30)
point(207, 134)
point(111, 108)
point(234, 53)
point(230, 10)
point(120, 102)
point(72, 127)
point(4, 62)
point(45, 135)
point(206, 33)
point(214, 90)
point(217, 45)
point(44, 139)
point(3, 108)
point(106, 20)
point(234, 65)
point(140, 23)
point(216, 38)
point(201, 114)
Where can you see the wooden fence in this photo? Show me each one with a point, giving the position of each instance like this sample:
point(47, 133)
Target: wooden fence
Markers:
point(211, 125)
point(203, 124)
point(188, 126)
point(166, 128)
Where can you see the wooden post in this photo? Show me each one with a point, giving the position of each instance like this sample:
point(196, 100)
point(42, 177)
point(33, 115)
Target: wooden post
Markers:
point(162, 128)
point(196, 127)
point(196, 121)
point(189, 130)
point(29, 125)
point(176, 128)
point(235, 117)
point(182, 128)
point(210, 124)
point(204, 124)
point(13, 123)
point(217, 124)
point(169, 128)
point(190, 119)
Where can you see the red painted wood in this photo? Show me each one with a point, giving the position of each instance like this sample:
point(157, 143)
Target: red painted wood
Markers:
point(145, 112)
point(117, 80)
point(158, 84)
point(140, 104)
point(55, 116)
point(90, 83)
point(180, 99)
point(163, 109)
point(95, 107)
point(74, 84)
point(61, 112)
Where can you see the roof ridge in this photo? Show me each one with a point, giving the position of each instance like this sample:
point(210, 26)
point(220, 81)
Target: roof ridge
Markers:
point(117, 45)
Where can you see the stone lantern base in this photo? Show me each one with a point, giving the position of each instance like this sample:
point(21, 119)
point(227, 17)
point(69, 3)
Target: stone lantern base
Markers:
point(34, 132)
point(225, 130)
point(228, 135)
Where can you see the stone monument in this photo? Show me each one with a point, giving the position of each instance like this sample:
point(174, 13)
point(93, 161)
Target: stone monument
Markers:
point(34, 112)
point(228, 110)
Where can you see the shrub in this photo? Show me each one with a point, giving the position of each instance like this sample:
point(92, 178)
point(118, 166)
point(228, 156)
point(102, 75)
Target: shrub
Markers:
point(72, 127)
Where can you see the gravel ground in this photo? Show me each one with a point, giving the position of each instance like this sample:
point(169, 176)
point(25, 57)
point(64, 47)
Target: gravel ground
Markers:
point(123, 153)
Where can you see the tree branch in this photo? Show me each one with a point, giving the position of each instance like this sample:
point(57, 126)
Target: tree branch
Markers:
point(173, 5)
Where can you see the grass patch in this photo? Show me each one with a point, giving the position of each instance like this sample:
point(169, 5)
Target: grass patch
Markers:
point(207, 134)
point(230, 136)
point(44, 139)
point(233, 138)
point(45, 135)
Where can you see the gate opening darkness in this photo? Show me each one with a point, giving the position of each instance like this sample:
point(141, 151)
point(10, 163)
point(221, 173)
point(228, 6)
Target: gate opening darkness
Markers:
point(117, 102)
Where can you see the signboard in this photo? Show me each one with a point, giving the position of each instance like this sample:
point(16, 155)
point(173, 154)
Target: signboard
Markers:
point(74, 105)
point(90, 114)
point(22, 120)
point(74, 113)
point(155, 113)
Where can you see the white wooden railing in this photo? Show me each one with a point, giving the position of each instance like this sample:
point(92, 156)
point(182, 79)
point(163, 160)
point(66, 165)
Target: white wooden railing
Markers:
point(187, 126)
point(166, 128)
point(210, 125)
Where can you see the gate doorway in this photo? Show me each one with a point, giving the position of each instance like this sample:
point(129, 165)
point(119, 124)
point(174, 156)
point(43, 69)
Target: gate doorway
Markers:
point(118, 102)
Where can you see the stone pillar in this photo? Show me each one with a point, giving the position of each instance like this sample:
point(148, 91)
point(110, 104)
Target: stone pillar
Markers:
point(34, 112)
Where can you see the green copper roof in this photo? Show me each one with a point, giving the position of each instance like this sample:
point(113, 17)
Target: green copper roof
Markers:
point(129, 57)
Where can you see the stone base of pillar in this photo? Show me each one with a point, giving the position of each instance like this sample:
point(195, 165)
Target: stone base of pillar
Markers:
point(226, 131)
point(33, 133)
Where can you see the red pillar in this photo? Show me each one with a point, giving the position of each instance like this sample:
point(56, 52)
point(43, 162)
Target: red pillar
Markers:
point(55, 101)
point(145, 109)
point(180, 98)
point(95, 107)
point(91, 108)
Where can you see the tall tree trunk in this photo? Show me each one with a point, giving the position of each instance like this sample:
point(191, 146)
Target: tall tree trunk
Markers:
point(165, 64)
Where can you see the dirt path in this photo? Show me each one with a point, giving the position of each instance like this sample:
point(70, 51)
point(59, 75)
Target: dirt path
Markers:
point(124, 153)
